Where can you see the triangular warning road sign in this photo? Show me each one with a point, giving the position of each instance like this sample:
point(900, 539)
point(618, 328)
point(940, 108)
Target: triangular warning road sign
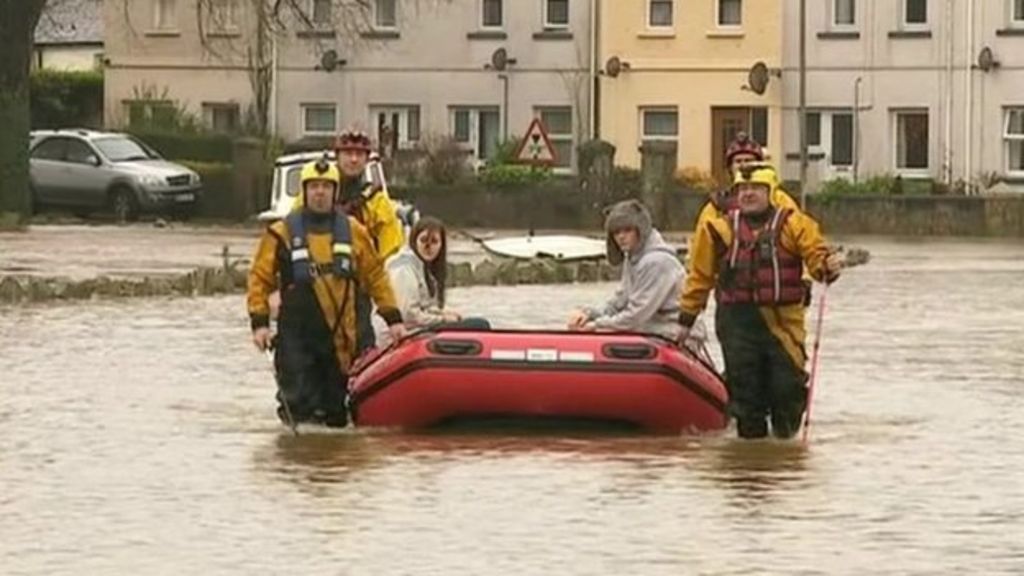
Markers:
point(536, 147)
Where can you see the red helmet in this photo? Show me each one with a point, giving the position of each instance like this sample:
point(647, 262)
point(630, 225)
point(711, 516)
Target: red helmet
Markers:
point(353, 140)
point(743, 144)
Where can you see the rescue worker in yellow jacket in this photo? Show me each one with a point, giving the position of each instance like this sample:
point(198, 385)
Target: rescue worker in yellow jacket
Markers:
point(753, 258)
point(318, 259)
point(368, 202)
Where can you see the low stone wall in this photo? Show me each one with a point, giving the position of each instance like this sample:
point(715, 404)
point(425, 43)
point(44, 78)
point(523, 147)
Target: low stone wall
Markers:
point(231, 279)
point(993, 216)
point(565, 206)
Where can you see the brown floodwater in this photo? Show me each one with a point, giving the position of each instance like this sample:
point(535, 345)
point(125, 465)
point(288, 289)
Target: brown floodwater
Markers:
point(139, 437)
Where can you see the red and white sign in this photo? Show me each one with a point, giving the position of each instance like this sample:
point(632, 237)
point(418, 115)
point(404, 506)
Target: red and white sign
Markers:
point(536, 147)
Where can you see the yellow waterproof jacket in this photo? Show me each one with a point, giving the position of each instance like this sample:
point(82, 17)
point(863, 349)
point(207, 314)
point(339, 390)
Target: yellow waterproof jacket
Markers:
point(800, 235)
point(264, 278)
point(380, 216)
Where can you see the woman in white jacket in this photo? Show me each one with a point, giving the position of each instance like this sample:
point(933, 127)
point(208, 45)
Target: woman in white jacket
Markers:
point(418, 276)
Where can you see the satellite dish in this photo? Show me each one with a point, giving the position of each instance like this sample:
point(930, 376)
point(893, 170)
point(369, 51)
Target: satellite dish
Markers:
point(499, 59)
point(329, 60)
point(613, 67)
point(987, 60)
point(757, 78)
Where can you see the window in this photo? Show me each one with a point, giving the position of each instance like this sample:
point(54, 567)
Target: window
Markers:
point(813, 129)
point(479, 129)
point(759, 125)
point(221, 118)
point(915, 12)
point(844, 13)
point(492, 16)
point(150, 113)
point(556, 13)
point(1014, 137)
point(558, 123)
point(79, 152)
point(165, 14)
point(659, 13)
point(1017, 13)
point(659, 124)
point(842, 139)
point(221, 14)
point(912, 140)
point(319, 119)
point(52, 149)
point(385, 14)
point(395, 127)
point(321, 14)
point(730, 13)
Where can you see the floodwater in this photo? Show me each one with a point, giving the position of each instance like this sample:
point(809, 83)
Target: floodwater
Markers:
point(138, 437)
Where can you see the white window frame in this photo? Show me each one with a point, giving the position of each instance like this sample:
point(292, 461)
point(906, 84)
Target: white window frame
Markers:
point(158, 11)
point(913, 25)
point(561, 137)
point(1008, 139)
point(472, 145)
point(718, 17)
point(834, 14)
point(230, 21)
point(1015, 19)
point(658, 137)
point(302, 118)
point(895, 114)
point(376, 15)
point(329, 23)
point(403, 112)
point(209, 109)
point(659, 27)
point(486, 26)
point(548, 24)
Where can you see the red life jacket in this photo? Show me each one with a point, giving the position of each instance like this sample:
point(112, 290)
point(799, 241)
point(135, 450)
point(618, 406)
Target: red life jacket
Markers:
point(756, 268)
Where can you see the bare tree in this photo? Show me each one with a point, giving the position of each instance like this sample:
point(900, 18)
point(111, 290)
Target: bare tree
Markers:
point(18, 19)
point(267, 21)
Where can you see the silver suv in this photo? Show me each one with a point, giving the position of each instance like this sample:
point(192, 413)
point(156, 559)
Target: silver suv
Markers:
point(85, 170)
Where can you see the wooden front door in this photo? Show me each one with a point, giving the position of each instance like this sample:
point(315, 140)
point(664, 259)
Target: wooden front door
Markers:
point(725, 124)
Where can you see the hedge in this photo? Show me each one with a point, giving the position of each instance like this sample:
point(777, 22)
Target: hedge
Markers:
point(208, 148)
point(66, 99)
point(218, 189)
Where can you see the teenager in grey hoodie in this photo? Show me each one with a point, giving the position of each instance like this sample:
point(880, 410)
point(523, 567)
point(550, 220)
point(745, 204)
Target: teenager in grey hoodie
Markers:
point(648, 297)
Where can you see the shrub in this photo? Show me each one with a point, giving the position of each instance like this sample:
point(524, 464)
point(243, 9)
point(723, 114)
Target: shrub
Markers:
point(70, 99)
point(514, 176)
point(693, 178)
point(199, 147)
point(444, 161)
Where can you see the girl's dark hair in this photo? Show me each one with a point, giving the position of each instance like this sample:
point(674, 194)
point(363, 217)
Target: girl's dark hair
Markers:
point(437, 271)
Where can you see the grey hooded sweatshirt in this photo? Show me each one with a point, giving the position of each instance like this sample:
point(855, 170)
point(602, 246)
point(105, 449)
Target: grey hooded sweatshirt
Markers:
point(647, 299)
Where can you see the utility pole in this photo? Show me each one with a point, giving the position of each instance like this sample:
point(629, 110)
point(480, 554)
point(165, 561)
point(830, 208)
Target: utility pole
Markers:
point(803, 104)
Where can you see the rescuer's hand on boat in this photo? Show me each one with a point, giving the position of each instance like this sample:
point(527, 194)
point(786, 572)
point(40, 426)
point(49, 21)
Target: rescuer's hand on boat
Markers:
point(262, 337)
point(398, 331)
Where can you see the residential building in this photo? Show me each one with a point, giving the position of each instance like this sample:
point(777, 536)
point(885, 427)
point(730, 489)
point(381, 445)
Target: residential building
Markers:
point(917, 88)
point(678, 71)
point(406, 70)
point(69, 36)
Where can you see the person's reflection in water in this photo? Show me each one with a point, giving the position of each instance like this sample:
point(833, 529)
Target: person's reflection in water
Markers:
point(318, 459)
point(756, 472)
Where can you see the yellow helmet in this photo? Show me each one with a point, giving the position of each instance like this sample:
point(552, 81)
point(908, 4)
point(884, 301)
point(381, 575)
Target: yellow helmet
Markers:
point(759, 173)
point(320, 170)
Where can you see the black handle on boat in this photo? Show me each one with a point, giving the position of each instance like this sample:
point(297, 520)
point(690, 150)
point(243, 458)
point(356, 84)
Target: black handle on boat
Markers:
point(629, 351)
point(452, 347)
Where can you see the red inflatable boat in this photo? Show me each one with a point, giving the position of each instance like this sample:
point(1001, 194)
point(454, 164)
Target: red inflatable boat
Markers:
point(443, 376)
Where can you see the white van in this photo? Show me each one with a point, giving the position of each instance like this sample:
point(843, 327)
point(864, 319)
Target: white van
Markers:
point(285, 185)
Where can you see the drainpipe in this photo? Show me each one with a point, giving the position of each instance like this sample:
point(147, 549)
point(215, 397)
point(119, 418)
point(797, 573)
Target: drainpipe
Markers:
point(969, 94)
point(948, 135)
point(273, 83)
point(803, 104)
point(856, 127)
point(592, 78)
